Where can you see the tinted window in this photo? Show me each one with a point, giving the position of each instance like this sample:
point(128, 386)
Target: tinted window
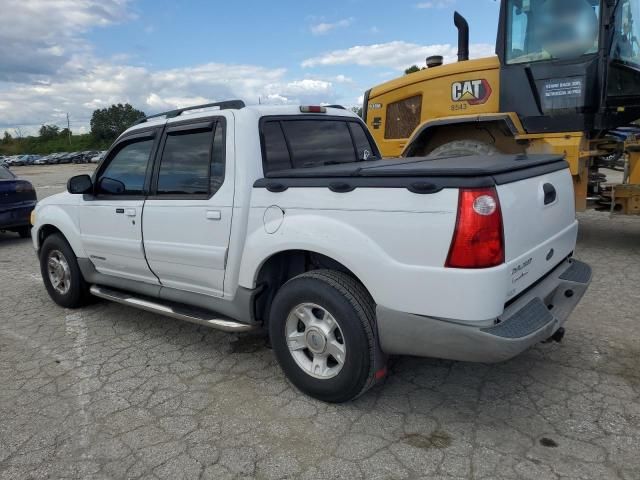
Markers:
point(126, 171)
point(217, 164)
point(185, 164)
point(403, 117)
point(363, 145)
point(315, 143)
point(275, 146)
point(5, 174)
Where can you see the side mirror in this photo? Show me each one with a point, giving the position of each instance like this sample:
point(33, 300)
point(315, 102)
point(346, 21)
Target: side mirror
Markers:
point(80, 184)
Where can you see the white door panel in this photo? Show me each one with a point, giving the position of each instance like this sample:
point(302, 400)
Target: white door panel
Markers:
point(186, 230)
point(185, 247)
point(111, 233)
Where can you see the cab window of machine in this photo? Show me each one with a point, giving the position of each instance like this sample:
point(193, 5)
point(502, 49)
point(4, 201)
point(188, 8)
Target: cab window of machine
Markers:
point(403, 117)
point(551, 29)
point(626, 40)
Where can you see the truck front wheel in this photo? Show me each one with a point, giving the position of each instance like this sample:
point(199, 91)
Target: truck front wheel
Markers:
point(61, 274)
point(321, 328)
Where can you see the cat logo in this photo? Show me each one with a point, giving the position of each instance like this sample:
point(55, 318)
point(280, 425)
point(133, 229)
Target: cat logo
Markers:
point(474, 92)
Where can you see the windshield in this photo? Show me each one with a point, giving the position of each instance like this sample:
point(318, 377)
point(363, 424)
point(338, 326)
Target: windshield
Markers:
point(625, 46)
point(551, 29)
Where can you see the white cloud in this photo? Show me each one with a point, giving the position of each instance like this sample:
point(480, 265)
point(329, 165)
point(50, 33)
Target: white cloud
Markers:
point(397, 55)
point(324, 28)
point(436, 4)
point(47, 68)
point(100, 84)
point(37, 37)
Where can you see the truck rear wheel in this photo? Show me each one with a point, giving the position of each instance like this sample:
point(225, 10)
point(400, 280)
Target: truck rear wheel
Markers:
point(321, 328)
point(464, 148)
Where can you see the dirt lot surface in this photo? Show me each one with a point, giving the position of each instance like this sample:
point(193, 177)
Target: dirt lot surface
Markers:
point(111, 392)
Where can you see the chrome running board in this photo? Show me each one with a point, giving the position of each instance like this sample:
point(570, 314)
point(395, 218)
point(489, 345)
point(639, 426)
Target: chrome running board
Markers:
point(179, 312)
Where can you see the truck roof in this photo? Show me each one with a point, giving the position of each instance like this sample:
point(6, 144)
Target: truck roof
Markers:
point(256, 111)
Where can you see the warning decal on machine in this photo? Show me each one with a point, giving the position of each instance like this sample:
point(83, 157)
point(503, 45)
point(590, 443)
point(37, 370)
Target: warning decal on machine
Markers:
point(563, 93)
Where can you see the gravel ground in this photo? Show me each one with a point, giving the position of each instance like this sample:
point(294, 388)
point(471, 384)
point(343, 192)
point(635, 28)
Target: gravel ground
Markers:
point(111, 392)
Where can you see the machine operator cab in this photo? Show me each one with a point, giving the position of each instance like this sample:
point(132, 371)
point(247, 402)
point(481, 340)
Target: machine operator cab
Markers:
point(580, 58)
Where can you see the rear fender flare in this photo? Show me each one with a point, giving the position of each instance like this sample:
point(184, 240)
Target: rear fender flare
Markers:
point(317, 234)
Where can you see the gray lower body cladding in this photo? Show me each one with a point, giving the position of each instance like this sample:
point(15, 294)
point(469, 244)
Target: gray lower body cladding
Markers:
point(239, 309)
point(534, 317)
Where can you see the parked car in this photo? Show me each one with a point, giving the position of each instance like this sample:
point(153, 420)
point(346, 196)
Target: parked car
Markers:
point(55, 158)
point(286, 218)
point(98, 157)
point(77, 157)
point(66, 158)
point(17, 201)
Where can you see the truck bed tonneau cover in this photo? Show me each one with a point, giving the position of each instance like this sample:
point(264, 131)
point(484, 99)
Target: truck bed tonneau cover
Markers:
point(469, 166)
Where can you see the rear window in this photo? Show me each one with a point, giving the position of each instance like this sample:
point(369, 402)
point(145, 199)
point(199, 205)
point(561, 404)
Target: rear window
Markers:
point(403, 117)
point(311, 143)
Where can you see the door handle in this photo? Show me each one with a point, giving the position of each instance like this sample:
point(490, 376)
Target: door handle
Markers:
point(130, 212)
point(214, 215)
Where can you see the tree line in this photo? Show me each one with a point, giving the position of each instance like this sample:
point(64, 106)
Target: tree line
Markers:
point(106, 125)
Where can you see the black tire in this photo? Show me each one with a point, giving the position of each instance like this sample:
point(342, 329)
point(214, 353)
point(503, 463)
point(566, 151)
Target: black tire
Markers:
point(464, 148)
point(354, 311)
point(78, 292)
point(24, 232)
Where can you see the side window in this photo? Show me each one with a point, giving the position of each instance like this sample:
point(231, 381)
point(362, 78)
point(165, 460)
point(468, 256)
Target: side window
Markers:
point(403, 117)
point(275, 148)
point(318, 142)
point(363, 145)
point(192, 162)
point(126, 172)
point(218, 160)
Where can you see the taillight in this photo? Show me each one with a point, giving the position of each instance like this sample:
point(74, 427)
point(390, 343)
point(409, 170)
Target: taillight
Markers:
point(478, 241)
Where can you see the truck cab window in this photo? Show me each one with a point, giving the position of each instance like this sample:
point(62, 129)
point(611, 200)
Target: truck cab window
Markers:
point(275, 147)
point(319, 142)
point(315, 142)
point(126, 170)
point(364, 149)
point(186, 165)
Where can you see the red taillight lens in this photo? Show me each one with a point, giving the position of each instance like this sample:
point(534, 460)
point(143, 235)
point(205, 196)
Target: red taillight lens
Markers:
point(478, 241)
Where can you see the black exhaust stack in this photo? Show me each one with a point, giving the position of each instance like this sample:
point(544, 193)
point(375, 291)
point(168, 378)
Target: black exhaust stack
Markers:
point(463, 36)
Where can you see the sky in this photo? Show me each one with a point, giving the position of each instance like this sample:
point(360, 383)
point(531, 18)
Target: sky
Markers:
point(74, 56)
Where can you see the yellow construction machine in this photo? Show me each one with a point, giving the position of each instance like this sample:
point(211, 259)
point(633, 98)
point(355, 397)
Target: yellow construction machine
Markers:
point(565, 79)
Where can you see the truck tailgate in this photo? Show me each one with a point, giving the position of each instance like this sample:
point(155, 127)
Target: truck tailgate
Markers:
point(540, 226)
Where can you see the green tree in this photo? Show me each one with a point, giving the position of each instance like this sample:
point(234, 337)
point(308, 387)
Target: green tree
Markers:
point(65, 132)
point(47, 132)
point(357, 111)
point(108, 123)
point(6, 139)
point(412, 69)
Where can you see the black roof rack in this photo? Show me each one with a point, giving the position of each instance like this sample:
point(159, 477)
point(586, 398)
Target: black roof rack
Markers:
point(336, 106)
point(226, 105)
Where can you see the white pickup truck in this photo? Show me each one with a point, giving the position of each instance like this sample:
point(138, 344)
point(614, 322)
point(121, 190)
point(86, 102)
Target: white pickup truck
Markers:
point(286, 218)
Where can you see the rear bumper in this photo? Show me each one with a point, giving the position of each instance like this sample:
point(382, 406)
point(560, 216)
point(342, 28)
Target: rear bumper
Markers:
point(532, 318)
point(16, 216)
